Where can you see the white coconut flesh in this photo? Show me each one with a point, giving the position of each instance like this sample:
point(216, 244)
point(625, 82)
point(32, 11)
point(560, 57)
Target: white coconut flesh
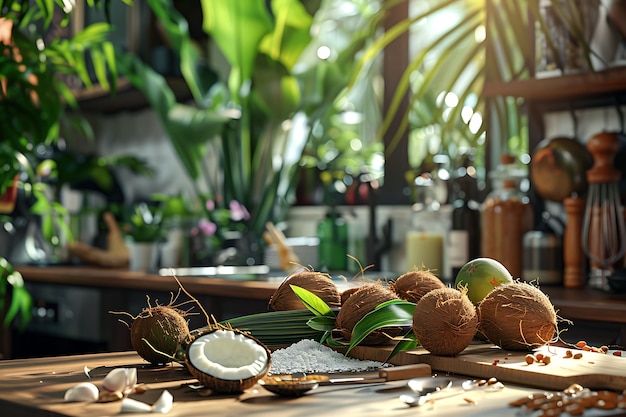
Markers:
point(228, 355)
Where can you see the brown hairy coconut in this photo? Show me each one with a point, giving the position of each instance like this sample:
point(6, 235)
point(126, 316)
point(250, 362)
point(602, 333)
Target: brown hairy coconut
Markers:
point(157, 333)
point(413, 285)
point(227, 360)
point(445, 321)
point(318, 283)
point(362, 301)
point(517, 316)
point(347, 293)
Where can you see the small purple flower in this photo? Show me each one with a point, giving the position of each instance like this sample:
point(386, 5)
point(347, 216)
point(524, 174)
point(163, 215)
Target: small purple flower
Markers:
point(207, 228)
point(210, 205)
point(238, 212)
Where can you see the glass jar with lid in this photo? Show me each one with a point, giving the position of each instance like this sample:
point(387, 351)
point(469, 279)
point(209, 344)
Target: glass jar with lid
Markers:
point(425, 239)
point(506, 215)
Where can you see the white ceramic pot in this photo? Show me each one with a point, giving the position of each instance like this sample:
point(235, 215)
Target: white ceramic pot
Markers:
point(143, 256)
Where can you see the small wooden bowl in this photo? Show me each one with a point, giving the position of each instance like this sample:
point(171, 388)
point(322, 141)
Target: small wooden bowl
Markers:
point(288, 386)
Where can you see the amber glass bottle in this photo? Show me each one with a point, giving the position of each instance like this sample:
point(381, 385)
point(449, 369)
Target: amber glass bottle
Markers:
point(506, 215)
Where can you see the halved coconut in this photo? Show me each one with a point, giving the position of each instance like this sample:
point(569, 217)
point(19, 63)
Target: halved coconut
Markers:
point(227, 360)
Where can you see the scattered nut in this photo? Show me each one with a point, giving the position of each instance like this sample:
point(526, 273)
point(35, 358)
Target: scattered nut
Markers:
point(573, 400)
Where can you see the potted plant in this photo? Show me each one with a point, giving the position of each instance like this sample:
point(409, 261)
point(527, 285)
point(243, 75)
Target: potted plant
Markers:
point(255, 117)
point(33, 99)
point(145, 232)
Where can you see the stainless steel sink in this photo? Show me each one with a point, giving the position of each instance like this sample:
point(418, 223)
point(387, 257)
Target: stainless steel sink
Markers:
point(243, 273)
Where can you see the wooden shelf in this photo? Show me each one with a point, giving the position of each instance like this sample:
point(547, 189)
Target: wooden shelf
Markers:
point(126, 97)
point(564, 87)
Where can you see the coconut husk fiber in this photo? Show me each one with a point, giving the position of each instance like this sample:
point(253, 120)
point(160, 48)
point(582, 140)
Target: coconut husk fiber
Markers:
point(445, 321)
point(517, 316)
point(413, 285)
point(317, 283)
point(360, 302)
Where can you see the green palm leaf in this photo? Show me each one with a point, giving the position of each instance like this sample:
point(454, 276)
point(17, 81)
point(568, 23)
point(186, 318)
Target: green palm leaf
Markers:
point(314, 303)
point(388, 314)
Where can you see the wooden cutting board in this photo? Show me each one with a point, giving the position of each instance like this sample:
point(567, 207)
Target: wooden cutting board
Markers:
point(594, 370)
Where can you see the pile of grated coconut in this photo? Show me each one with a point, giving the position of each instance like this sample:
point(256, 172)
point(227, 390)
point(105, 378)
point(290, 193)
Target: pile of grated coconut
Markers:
point(309, 356)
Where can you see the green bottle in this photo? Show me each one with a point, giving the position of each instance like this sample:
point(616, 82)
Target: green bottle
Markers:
point(332, 251)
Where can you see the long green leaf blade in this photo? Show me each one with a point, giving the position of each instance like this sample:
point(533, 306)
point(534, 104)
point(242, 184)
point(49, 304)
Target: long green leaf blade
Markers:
point(314, 303)
point(391, 313)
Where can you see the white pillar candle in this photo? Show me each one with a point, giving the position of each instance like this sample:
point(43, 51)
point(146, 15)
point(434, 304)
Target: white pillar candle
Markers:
point(425, 249)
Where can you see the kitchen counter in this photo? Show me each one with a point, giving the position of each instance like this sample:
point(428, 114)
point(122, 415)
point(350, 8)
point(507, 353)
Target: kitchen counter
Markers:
point(591, 315)
point(125, 279)
point(572, 304)
point(35, 388)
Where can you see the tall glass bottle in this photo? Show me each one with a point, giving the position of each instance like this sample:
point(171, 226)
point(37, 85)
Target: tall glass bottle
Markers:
point(332, 232)
point(425, 240)
point(506, 215)
point(464, 235)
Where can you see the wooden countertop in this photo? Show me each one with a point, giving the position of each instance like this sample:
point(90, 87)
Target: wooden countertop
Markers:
point(125, 279)
point(588, 304)
point(36, 387)
point(572, 304)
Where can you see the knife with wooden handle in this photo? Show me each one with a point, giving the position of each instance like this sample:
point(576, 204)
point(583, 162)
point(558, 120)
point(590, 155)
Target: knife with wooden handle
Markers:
point(392, 373)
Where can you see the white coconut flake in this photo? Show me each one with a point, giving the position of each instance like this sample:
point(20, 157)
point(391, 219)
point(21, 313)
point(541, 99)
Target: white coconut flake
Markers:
point(130, 405)
point(309, 356)
point(164, 403)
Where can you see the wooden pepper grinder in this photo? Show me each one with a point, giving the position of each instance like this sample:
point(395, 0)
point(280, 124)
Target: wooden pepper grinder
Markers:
point(573, 255)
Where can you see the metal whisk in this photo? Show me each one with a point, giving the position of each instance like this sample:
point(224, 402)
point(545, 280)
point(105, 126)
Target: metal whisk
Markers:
point(604, 234)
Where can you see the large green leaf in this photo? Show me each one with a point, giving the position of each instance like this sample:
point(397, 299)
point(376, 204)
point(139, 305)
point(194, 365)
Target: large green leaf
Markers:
point(20, 304)
point(291, 32)
point(408, 342)
point(322, 323)
point(388, 314)
point(177, 29)
point(237, 27)
point(314, 303)
point(189, 127)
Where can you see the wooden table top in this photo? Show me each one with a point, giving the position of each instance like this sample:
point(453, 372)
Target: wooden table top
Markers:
point(35, 388)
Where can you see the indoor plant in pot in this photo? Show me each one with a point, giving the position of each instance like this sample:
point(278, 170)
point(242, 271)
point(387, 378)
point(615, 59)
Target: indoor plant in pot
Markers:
point(145, 232)
point(244, 136)
point(33, 99)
